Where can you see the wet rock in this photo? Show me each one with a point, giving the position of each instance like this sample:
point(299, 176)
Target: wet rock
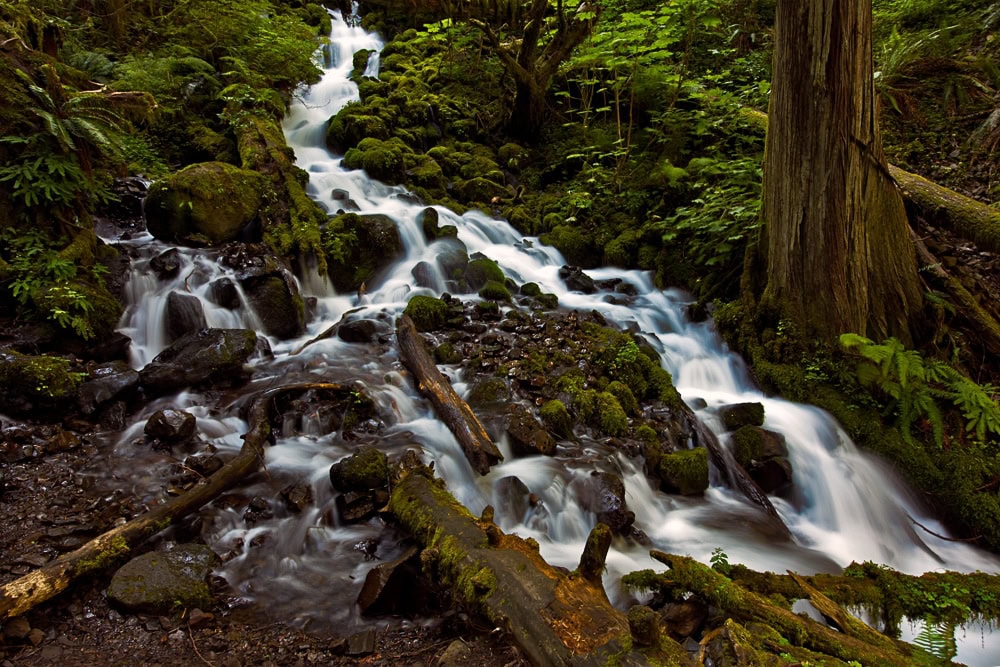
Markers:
point(16, 628)
point(361, 643)
point(343, 201)
point(764, 455)
point(367, 469)
point(644, 625)
point(684, 472)
point(184, 314)
point(513, 497)
point(276, 299)
point(223, 293)
point(207, 203)
point(109, 348)
point(528, 437)
point(105, 387)
point(257, 510)
point(604, 495)
point(167, 264)
point(458, 654)
point(361, 331)
point(487, 392)
point(452, 258)
point(171, 426)
point(297, 497)
point(683, 619)
point(355, 506)
point(427, 312)
point(423, 274)
point(481, 271)
point(576, 280)
point(556, 418)
point(428, 220)
point(737, 415)
point(389, 587)
point(208, 355)
point(366, 245)
point(205, 465)
point(162, 582)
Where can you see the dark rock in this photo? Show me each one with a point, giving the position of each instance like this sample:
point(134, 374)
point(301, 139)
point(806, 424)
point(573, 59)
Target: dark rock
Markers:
point(355, 506)
point(452, 258)
point(644, 625)
point(773, 475)
point(487, 392)
point(361, 331)
point(604, 495)
point(427, 312)
point(297, 497)
point(343, 200)
point(428, 221)
point(16, 628)
point(361, 643)
point(204, 464)
point(108, 348)
point(684, 472)
point(223, 293)
point(481, 271)
point(513, 497)
point(683, 619)
point(167, 264)
point(389, 587)
point(184, 315)
point(209, 355)
point(162, 582)
point(576, 280)
point(276, 300)
point(423, 275)
point(458, 654)
point(366, 245)
point(738, 415)
point(528, 436)
point(367, 469)
point(257, 510)
point(94, 393)
point(171, 426)
point(753, 443)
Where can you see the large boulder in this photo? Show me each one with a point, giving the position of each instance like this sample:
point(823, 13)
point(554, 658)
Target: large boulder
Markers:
point(205, 356)
point(738, 415)
point(358, 247)
point(527, 436)
point(684, 472)
point(764, 455)
point(277, 301)
point(163, 582)
point(604, 495)
point(185, 315)
point(107, 382)
point(206, 203)
point(366, 469)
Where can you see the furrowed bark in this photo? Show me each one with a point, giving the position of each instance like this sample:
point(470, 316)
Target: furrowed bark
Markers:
point(21, 595)
point(449, 406)
point(554, 618)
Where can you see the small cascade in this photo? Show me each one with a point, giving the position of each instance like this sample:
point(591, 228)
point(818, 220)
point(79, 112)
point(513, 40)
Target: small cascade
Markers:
point(308, 566)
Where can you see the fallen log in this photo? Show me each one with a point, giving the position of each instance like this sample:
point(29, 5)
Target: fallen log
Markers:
point(110, 548)
point(740, 604)
point(553, 617)
point(449, 406)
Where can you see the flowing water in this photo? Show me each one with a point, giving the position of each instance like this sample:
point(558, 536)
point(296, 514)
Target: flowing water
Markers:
point(305, 567)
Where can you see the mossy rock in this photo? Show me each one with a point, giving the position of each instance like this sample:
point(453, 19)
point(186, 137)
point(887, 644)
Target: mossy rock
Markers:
point(625, 397)
point(427, 312)
point(351, 125)
point(358, 247)
point(556, 418)
point(609, 416)
point(547, 301)
point(382, 160)
point(481, 271)
point(447, 353)
point(30, 381)
point(753, 443)
point(575, 244)
point(213, 201)
point(364, 470)
point(164, 582)
point(684, 472)
point(531, 289)
point(278, 304)
point(489, 392)
point(481, 190)
point(738, 415)
point(426, 173)
point(494, 291)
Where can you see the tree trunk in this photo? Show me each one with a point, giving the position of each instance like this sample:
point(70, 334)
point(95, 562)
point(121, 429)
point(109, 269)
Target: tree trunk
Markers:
point(835, 242)
point(449, 406)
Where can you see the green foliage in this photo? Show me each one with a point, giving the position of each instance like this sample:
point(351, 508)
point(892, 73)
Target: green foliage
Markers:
point(914, 385)
point(938, 639)
point(720, 561)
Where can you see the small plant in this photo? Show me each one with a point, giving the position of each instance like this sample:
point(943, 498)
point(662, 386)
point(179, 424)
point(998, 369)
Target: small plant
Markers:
point(938, 639)
point(720, 561)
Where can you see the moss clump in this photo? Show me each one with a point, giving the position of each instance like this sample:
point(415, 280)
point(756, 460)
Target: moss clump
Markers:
point(447, 353)
point(494, 291)
point(427, 312)
point(38, 377)
point(574, 244)
point(752, 443)
point(367, 469)
point(481, 271)
point(742, 414)
point(531, 289)
point(684, 472)
point(489, 392)
point(357, 247)
point(556, 418)
point(609, 415)
point(106, 557)
point(625, 397)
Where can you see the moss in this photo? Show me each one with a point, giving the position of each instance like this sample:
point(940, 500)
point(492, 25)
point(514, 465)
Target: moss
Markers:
point(625, 397)
point(495, 291)
point(366, 469)
point(610, 416)
point(531, 289)
point(357, 247)
point(576, 246)
point(481, 271)
point(684, 472)
point(106, 557)
point(38, 377)
point(428, 313)
point(490, 391)
point(446, 353)
point(556, 418)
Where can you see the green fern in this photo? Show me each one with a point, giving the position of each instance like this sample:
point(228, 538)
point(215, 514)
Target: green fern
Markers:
point(938, 639)
point(915, 385)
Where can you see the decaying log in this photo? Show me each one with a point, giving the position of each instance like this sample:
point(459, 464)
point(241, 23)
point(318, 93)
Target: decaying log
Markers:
point(110, 548)
point(554, 618)
point(744, 606)
point(739, 478)
point(452, 410)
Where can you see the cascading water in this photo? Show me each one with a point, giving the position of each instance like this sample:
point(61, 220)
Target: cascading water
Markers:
point(306, 566)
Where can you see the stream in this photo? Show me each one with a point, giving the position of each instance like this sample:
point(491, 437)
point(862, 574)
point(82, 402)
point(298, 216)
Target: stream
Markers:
point(306, 568)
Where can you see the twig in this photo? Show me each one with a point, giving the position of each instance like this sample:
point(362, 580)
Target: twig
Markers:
point(944, 537)
point(195, 647)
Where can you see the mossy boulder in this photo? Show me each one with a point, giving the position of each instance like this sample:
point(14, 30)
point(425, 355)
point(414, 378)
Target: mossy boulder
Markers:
point(358, 247)
point(351, 125)
point(556, 418)
point(209, 202)
point(164, 582)
point(29, 381)
point(684, 472)
point(573, 242)
point(427, 312)
point(481, 190)
point(481, 271)
point(386, 160)
point(495, 291)
point(277, 301)
point(764, 455)
point(738, 415)
point(366, 469)
point(527, 436)
point(205, 356)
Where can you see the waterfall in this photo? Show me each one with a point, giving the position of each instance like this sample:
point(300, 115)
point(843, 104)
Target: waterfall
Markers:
point(846, 506)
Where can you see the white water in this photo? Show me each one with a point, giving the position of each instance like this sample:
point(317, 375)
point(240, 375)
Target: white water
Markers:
point(847, 507)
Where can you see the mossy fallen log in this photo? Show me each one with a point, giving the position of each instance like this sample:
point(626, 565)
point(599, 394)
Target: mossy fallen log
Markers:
point(110, 548)
point(555, 618)
point(453, 411)
point(865, 646)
